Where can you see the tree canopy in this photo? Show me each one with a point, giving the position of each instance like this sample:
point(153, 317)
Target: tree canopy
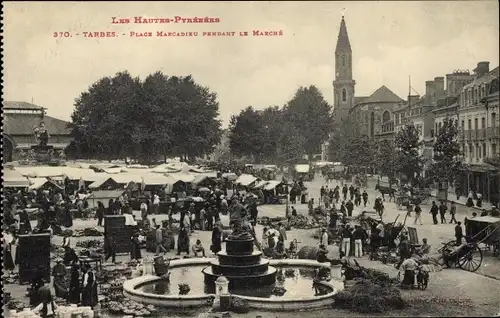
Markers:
point(385, 158)
point(312, 116)
point(122, 116)
point(408, 160)
point(447, 163)
point(279, 134)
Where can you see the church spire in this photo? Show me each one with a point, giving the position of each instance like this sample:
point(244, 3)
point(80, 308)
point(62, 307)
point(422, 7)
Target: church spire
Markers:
point(343, 44)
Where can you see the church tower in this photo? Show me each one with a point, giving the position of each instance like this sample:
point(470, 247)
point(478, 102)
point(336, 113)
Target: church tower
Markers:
point(343, 85)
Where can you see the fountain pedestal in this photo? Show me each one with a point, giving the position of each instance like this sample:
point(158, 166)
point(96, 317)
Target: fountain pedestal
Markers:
point(241, 265)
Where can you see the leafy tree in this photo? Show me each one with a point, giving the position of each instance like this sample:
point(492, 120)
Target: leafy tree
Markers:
point(447, 163)
point(312, 117)
point(273, 120)
point(384, 158)
point(408, 160)
point(121, 117)
point(196, 128)
point(101, 121)
point(337, 141)
point(247, 133)
point(290, 143)
point(358, 151)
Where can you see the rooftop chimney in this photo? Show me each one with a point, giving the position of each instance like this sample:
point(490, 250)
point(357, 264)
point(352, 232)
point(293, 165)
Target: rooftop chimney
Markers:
point(439, 87)
point(429, 93)
point(482, 68)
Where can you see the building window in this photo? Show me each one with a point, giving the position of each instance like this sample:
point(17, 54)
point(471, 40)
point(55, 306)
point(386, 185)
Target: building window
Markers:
point(344, 95)
point(478, 151)
point(386, 116)
point(475, 123)
point(439, 128)
point(463, 124)
point(493, 120)
point(493, 150)
point(484, 150)
point(471, 151)
point(483, 123)
point(343, 60)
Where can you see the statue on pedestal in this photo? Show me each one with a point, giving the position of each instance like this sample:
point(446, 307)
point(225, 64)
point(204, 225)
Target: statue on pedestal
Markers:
point(41, 134)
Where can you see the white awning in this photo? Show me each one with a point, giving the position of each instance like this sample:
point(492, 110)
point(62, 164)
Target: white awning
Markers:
point(271, 185)
point(14, 179)
point(260, 184)
point(302, 168)
point(246, 179)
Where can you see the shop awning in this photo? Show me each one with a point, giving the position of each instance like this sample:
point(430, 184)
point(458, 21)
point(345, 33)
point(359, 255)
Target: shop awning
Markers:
point(246, 179)
point(271, 185)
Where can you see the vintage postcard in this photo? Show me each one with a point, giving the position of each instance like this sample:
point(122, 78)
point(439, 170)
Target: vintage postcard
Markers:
point(250, 159)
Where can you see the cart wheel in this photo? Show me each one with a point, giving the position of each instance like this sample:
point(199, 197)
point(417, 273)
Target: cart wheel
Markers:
point(471, 259)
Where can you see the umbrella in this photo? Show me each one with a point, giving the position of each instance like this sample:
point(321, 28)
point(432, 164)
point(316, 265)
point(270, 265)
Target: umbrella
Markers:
point(204, 190)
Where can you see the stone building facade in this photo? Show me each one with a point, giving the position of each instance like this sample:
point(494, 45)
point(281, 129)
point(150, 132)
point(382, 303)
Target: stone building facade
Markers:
point(20, 119)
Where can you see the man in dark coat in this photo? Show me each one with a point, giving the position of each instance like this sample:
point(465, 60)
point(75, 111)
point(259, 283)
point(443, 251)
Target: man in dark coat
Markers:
point(459, 233)
point(434, 212)
point(442, 212)
point(350, 207)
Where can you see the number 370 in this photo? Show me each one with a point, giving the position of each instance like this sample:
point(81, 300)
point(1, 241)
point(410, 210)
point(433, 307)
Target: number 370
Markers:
point(62, 35)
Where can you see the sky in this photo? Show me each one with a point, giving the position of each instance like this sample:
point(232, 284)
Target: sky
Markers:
point(390, 41)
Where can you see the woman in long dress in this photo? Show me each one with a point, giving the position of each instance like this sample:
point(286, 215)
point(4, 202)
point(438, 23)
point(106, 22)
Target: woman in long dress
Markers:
point(183, 241)
point(74, 285)
point(89, 294)
point(216, 239)
point(136, 248)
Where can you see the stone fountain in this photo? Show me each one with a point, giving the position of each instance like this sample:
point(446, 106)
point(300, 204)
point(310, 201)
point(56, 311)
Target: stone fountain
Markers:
point(240, 263)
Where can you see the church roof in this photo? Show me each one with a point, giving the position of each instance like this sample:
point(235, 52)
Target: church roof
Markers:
point(21, 124)
point(359, 99)
point(381, 95)
point(20, 105)
point(343, 44)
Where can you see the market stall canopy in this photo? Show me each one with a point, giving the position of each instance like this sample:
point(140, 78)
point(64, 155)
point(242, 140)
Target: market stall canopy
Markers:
point(38, 183)
point(103, 196)
point(260, 184)
point(180, 176)
point(200, 178)
point(302, 168)
point(165, 168)
point(246, 179)
point(14, 179)
point(78, 173)
point(40, 171)
point(230, 176)
point(271, 185)
point(271, 167)
point(126, 178)
point(102, 179)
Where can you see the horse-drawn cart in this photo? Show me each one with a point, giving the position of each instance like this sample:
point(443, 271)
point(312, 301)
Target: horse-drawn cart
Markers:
point(469, 256)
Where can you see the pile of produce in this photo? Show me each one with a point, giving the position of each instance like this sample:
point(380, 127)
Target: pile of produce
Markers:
point(366, 296)
point(13, 303)
point(90, 244)
point(57, 251)
point(303, 222)
point(89, 231)
point(112, 272)
point(10, 278)
point(265, 221)
point(66, 232)
point(130, 308)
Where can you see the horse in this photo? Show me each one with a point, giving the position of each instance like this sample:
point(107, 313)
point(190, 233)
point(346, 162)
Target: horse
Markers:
point(386, 190)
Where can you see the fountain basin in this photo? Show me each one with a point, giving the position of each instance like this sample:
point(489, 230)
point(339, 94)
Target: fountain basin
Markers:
point(139, 289)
